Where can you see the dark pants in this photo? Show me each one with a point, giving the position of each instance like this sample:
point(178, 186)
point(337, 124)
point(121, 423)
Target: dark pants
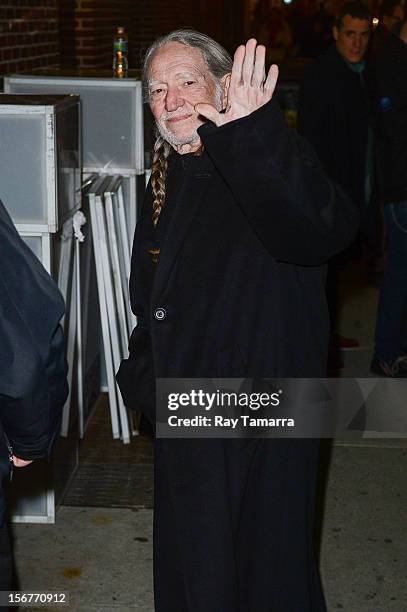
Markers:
point(391, 326)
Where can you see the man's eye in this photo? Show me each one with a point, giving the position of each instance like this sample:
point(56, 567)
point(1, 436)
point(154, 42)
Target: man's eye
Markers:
point(189, 82)
point(155, 92)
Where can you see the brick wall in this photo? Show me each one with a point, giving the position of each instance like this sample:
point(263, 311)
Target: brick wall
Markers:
point(79, 33)
point(154, 18)
point(95, 24)
point(28, 35)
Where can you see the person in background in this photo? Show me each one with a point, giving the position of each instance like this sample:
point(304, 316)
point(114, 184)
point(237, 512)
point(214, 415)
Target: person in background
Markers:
point(227, 281)
point(391, 12)
point(273, 30)
point(321, 24)
point(333, 115)
point(33, 368)
point(390, 112)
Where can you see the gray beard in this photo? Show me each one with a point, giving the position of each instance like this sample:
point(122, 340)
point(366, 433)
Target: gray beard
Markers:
point(169, 137)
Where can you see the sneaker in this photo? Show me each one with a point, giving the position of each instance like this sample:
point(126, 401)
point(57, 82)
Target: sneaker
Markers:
point(343, 342)
point(392, 369)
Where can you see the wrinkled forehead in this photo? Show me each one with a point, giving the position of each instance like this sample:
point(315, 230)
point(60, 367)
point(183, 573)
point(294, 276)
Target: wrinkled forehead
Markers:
point(173, 58)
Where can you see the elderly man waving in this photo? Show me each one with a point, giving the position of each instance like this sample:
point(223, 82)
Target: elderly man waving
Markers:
point(228, 281)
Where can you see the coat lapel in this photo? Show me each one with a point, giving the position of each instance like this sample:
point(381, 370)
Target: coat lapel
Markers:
point(190, 197)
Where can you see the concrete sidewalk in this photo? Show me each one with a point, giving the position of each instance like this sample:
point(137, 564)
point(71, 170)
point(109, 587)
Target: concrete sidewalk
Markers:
point(103, 557)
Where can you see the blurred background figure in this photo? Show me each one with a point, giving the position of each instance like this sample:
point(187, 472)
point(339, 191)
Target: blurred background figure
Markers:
point(391, 12)
point(272, 29)
point(322, 24)
point(334, 118)
point(312, 24)
point(390, 113)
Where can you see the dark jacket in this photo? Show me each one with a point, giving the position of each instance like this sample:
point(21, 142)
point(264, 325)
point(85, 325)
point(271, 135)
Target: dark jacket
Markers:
point(240, 282)
point(33, 384)
point(389, 92)
point(333, 116)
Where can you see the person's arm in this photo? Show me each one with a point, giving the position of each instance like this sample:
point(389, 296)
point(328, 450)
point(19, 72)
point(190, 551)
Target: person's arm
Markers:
point(31, 413)
point(136, 374)
point(391, 104)
point(301, 216)
point(33, 383)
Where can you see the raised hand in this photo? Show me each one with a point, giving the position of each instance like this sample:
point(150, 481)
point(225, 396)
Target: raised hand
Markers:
point(249, 88)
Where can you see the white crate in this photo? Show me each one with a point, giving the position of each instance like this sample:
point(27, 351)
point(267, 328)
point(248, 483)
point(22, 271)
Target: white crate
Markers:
point(40, 165)
point(112, 110)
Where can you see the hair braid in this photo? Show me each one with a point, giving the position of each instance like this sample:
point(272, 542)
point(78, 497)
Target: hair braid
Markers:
point(158, 175)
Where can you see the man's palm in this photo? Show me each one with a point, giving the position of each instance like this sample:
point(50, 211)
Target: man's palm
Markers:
point(249, 88)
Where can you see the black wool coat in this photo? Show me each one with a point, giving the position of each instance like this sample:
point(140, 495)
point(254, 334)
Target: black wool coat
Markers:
point(389, 94)
point(239, 291)
point(333, 115)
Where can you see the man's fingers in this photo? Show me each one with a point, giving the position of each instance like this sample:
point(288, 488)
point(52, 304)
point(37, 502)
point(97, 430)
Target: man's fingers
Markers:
point(209, 112)
point(236, 76)
point(248, 62)
point(259, 73)
point(271, 81)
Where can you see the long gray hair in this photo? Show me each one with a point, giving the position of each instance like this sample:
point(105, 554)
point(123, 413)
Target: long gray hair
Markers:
point(219, 64)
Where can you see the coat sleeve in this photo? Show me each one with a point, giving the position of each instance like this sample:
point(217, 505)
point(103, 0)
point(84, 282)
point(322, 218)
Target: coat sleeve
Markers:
point(136, 374)
point(322, 122)
point(33, 380)
point(301, 216)
point(391, 104)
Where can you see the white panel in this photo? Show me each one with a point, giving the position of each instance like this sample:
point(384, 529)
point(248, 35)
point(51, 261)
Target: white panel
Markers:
point(23, 187)
point(112, 117)
point(35, 244)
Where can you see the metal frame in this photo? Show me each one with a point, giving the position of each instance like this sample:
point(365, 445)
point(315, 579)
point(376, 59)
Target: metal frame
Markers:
point(49, 114)
point(115, 247)
point(79, 343)
point(113, 318)
point(49, 518)
point(126, 250)
point(131, 212)
point(103, 305)
point(46, 254)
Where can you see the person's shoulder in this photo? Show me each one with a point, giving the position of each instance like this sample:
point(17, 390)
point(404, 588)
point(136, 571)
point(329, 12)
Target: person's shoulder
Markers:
point(325, 65)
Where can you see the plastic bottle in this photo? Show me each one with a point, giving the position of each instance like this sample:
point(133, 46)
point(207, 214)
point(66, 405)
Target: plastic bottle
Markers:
point(120, 61)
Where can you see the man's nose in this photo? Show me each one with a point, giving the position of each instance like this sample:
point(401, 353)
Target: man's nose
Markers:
point(358, 42)
point(173, 100)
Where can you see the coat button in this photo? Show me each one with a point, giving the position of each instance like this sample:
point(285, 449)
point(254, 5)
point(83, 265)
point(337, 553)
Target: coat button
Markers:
point(160, 314)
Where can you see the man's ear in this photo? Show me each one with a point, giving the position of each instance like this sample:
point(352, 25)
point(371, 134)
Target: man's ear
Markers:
point(335, 32)
point(225, 82)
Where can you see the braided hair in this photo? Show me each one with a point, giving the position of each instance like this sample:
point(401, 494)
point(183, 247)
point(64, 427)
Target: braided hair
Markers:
point(219, 64)
point(158, 174)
